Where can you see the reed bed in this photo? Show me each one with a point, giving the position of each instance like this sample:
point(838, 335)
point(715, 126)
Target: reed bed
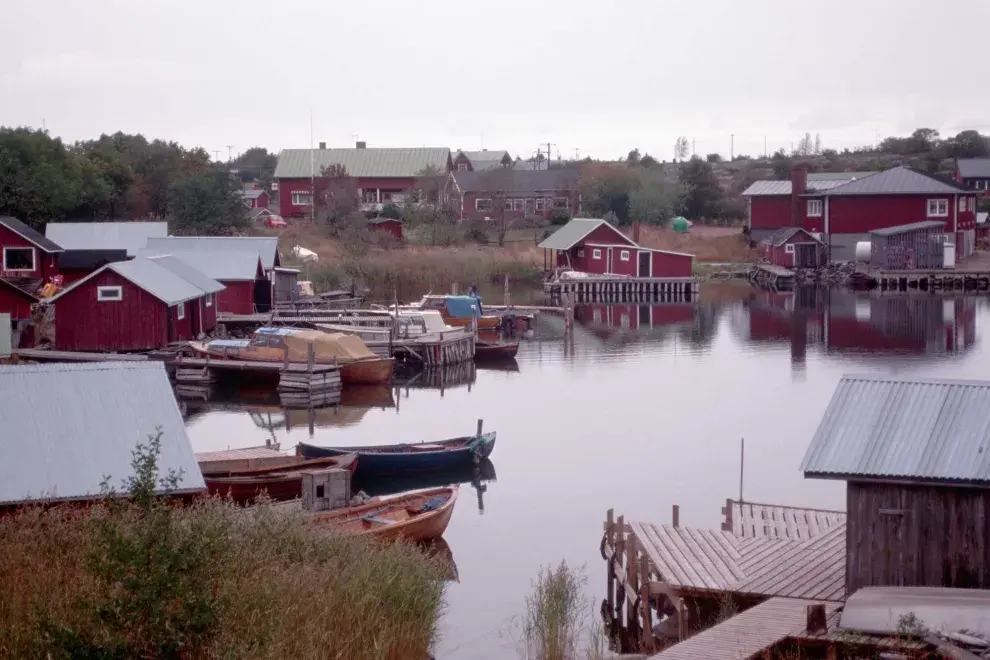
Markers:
point(143, 579)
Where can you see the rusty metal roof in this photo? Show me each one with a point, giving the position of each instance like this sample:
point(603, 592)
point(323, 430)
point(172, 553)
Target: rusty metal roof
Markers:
point(363, 162)
point(67, 426)
point(929, 430)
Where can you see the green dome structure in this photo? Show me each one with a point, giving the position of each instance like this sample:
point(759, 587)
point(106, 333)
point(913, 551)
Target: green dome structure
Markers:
point(680, 225)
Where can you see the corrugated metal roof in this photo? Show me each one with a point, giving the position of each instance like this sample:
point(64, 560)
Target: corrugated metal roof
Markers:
point(381, 162)
point(130, 236)
point(190, 274)
point(974, 168)
point(24, 231)
point(879, 610)
point(571, 234)
point(252, 193)
point(266, 247)
point(221, 266)
point(759, 188)
point(157, 280)
point(903, 229)
point(888, 428)
point(898, 181)
point(67, 426)
point(510, 181)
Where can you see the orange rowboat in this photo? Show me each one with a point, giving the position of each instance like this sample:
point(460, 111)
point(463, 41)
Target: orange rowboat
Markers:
point(418, 516)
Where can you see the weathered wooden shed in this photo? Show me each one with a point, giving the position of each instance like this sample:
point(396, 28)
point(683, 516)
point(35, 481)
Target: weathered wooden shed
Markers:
point(917, 245)
point(286, 284)
point(915, 455)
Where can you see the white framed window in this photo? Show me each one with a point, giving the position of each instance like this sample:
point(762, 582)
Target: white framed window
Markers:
point(19, 259)
point(508, 205)
point(580, 252)
point(462, 167)
point(519, 204)
point(596, 254)
point(180, 311)
point(541, 204)
point(209, 300)
point(962, 203)
point(938, 208)
point(624, 321)
point(483, 204)
point(814, 208)
point(560, 202)
point(789, 249)
point(302, 198)
point(624, 255)
point(109, 293)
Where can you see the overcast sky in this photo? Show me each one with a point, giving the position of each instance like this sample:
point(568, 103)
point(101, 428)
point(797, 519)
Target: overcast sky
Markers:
point(594, 78)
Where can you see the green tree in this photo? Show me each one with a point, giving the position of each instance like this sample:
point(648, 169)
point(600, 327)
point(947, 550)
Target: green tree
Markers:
point(208, 202)
point(703, 197)
point(714, 158)
point(256, 164)
point(605, 188)
point(654, 200)
point(970, 144)
point(335, 194)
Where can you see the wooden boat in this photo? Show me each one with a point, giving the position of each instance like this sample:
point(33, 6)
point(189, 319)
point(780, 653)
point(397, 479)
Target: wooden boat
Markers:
point(358, 364)
point(420, 516)
point(494, 351)
point(386, 485)
point(410, 457)
point(283, 482)
point(458, 311)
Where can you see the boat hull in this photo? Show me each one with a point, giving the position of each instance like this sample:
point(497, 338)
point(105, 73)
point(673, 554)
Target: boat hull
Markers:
point(282, 482)
point(376, 371)
point(421, 527)
point(484, 351)
point(405, 459)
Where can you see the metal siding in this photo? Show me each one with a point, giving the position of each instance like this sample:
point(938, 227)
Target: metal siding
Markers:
point(138, 322)
point(265, 247)
point(130, 236)
point(92, 418)
point(887, 428)
point(374, 162)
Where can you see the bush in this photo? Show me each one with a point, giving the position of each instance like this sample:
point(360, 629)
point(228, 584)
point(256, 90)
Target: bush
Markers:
point(142, 578)
point(390, 211)
point(560, 217)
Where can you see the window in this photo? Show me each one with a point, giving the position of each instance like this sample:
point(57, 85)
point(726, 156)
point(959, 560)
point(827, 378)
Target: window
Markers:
point(596, 254)
point(938, 208)
point(209, 300)
point(180, 311)
point(972, 204)
point(624, 255)
point(814, 208)
point(541, 204)
point(508, 205)
point(18, 258)
point(302, 198)
point(962, 203)
point(530, 205)
point(518, 204)
point(483, 204)
point(560, 202)
point(462, 167)
point(789, 249)
point(624, 320)
point(109, 293)
point(580, 253)
point(596, 315)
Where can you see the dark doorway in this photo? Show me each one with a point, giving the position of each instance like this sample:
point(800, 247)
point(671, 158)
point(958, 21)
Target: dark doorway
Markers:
point(644, 264)
point(644, 316)
point(262, 295)
point(806, 255)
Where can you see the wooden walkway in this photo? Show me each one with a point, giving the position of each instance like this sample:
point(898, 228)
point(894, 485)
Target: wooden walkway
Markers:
point(43, 354)
point(752, 520)
point(773, 277)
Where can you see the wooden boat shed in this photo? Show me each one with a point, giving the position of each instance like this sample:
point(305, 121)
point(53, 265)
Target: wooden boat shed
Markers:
point(246, 289)
point(68, 426)
point(265, 246)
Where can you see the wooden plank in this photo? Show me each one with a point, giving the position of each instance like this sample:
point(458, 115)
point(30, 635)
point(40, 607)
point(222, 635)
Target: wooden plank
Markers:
point(76, 356)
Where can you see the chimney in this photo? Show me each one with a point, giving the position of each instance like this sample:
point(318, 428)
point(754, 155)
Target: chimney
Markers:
point(323, 145)
point(635, 232)
point(362, 144)
point(799, 186)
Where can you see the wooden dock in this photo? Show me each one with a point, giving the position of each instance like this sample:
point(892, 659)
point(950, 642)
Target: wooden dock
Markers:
point(934, 281)
point(307, 317)
point(45, 355)
point(750, 520)
point(772, 277)
point(623, 289)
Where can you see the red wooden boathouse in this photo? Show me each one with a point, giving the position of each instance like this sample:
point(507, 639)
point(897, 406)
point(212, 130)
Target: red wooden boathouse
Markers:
point(389, 226)
point(25, 253)
point(246, 289)
point(793, 247)
point(136, 305)
point(15, 301)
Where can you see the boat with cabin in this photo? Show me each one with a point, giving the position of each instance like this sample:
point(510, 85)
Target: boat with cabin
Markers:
point(358, 364)
point(465, 310)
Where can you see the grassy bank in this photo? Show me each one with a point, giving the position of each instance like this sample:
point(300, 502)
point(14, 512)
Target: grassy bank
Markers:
point(140, 579)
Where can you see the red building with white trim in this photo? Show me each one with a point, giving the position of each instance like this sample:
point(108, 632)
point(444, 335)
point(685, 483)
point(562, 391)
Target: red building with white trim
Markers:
point(25, 254)
point(506, 194)
point(793, 247)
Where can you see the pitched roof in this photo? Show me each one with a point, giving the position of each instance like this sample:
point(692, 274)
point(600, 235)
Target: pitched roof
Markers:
point(574, 231)
point(19, 291)
point(381, 162)
point(221, 266)
point(25, 232)
point(517, 181)
point(89, 259)
point(252, 193)
point(484, 154)
point(784, 234)
point(130, 236)
point(266, 247)
point(912, 226)
point(817, 181)
point(888, 428)
point(150, 276)
point(190, 274)
point(973, 168)
point(898, 181)
point(94, 416)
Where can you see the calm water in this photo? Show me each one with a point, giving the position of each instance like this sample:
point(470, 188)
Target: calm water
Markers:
point(643, 409)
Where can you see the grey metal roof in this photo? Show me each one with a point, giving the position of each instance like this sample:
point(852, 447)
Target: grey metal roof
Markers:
point(880, 610)
point(974, 168)
point(571, 234)
point(26, 232)
point(252, 193)
point(158, 280)
point(898, 181)
point(518, 181)
point(913, 226)
point(92, 418)
point(130, 236)
point(190, 274)
point(221, 266)
point(781, 236)
point(817, 181)
point(381, 162)
point(265, 247)
point(921, 430)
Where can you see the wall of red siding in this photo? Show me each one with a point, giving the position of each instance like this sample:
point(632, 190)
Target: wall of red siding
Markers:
point(393, 228)
point(261, 201)
point(770, 212)
point(857, 214)
point(778, 255)
point(209, 315)
point(138, 322)
point(672, 265)
point(465, 205)
point(237, 298)
point(13, 303)
point(45, 264)
point(285, 189)
point(73, 275)
point(182, 329)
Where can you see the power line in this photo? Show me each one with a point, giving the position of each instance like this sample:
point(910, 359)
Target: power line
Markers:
point(230, 151)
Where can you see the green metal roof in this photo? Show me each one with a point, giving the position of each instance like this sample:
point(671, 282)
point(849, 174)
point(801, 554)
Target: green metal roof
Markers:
point(571, 234)
point(383, 162)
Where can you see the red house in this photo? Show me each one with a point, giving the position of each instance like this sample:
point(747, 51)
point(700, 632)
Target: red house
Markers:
point(136, 305)
point(594, 246)
point(389, 226)
point(246, 289)
point(974, 174)
point(380, 176)
point(515, 193)
point(478, 161)
point(255, 198)
point(793, 247)
point(15, 301)
point(26, 254)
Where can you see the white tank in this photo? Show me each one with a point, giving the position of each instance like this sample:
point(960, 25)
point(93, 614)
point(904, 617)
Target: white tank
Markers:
point(949, 256)
point(863, 251)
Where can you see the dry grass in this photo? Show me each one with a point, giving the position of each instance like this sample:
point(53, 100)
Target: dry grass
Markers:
point(277, 588)
point(727, 245)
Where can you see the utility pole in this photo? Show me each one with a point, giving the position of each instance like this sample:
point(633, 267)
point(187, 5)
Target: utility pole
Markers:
point(732, 146)
point(230, 151)
point(577, 154)
point(693, 152)
point(765, 146)
point(549, 146)
point(216, 155)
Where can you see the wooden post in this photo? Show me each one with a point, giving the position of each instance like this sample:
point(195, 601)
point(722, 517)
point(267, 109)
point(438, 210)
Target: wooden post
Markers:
point(742, 455)
point(676, 516)
point(285, 358)
point(620, 550)
point(506, 292)
point(310, 359)
point(632, 580)
point(610, 547)
point(481, 424)
point(644, 602)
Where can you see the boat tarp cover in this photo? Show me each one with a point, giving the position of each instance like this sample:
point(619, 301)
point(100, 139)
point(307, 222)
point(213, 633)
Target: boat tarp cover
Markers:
point(463, 307)
point(327, 345)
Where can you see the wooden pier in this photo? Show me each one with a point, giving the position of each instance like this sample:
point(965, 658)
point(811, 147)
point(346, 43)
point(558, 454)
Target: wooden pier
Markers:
point(45, 355)
point(308, 316)
point(934, 281)
point(772, 277)
point(623, 289)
